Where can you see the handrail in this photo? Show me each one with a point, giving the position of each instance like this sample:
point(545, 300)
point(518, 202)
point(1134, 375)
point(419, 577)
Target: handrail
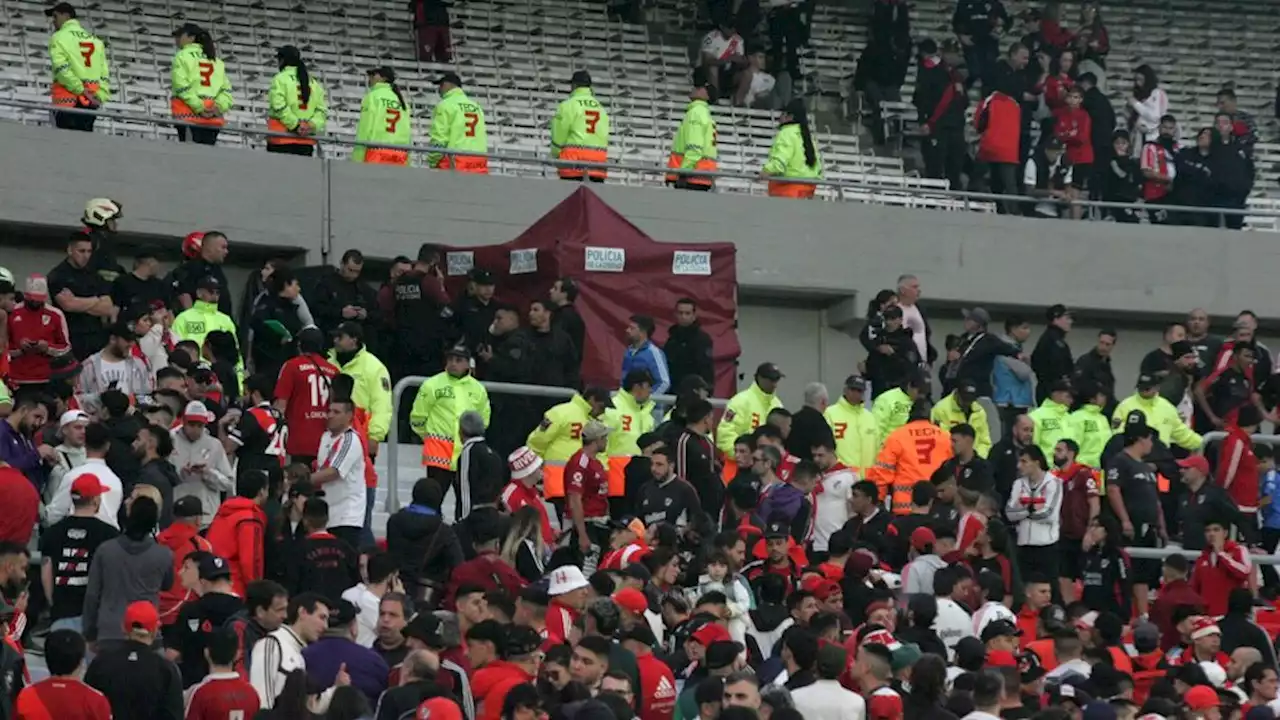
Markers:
point(661, 171)
point(392, 503)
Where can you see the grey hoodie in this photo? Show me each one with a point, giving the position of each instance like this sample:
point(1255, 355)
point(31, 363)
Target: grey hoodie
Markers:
point(917, 576)
point(123, 571)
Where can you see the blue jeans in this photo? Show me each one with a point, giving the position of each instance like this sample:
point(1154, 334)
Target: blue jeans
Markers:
point(370, 497)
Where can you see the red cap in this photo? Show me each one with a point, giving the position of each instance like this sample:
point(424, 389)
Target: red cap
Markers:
point(141, 615)
point(86, 486)
point(711, 633)
point(922, 537)
point(631, 600)
point(1001, 658)
point(1197, 462)
point(438, 708)
point(1201, 697)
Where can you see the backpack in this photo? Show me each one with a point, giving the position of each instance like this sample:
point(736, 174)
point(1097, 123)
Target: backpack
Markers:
point(1075, 502)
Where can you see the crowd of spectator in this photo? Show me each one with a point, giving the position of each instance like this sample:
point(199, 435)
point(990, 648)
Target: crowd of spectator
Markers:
point(200, 491)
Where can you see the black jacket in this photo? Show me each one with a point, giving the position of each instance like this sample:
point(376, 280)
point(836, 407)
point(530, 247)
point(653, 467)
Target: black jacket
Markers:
point(978, 358)
point(324, 564)
point(977, 475)
point(696, 464)
point(472, 320)
point(1121, 180)
point(513, 415)
point(884, 62)
point(1193, 184)
point(568, 321)
point(138, 682)
point(689, 352)
point(935, 85)
point(1003, 459)
point(1094, 369)
point(399, 702)
point(980, 18)
point(1102, 119)
point(555, 360)
point(1232, 177)
point(271, 349)
point(1210, 501)
point(888, 371)
point(1239, 631)
point(808, 428)
point(481, 476)
point(161, 475)
point(411, 533)
point(331, 293)
point(1051, 360)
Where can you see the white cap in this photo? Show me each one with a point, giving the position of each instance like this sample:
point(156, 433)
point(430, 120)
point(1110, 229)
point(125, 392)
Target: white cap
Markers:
point(197, 412)
point(72, 416)
point(523, 462)
point(566, 579)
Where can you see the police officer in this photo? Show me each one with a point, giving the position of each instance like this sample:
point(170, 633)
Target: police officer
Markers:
point(504, 357)
point(473, 311)
point(422, 314)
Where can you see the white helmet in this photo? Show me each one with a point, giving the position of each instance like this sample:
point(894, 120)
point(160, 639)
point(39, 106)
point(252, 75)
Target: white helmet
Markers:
point(99, 210)
point(6, 276)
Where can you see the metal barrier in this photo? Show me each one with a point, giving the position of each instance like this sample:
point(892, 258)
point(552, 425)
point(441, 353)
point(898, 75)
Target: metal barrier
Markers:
point(392, 503)
point(655, 170)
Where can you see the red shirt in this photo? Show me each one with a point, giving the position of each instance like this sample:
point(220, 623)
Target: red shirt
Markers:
point(624, 556)
point(486, 570)
point(786, 467)
point(61, 698)
point(46, 323)
point(884, 704)
point(1172, 594)
point(560, 619)
point(1238, 469)
point(1055, 91)
point(999, 119)
point(491, 683)
point(1075, 129)
point(182, 540)
point(222, 696)
point(21, 505)
point(304, 387)
point(585, 476)
point(657, 688)
point(517, 495)
point(1157, 158)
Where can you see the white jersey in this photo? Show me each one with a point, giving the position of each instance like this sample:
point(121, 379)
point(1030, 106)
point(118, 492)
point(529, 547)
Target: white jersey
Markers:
point(345, 453)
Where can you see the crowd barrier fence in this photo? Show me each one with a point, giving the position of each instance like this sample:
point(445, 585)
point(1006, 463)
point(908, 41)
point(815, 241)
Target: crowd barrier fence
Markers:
point(548, 164)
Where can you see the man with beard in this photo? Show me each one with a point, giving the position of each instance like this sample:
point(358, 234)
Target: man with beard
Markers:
point(17, 449)
point(556, 361)
point(689, 347)
point(1158, 168)
point(504, 357)
point(1205, 345)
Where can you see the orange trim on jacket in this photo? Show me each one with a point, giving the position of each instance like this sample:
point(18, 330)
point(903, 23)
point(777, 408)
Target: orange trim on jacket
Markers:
point(182, 111)
point(798, 191)
point(594, 155)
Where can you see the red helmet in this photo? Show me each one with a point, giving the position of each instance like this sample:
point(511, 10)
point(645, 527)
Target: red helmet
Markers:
point(191, 245)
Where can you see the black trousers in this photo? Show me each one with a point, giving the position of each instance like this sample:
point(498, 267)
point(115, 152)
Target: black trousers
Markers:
point(73, 121)
point(292, 149)
point(786, 33)
point(1004, 181)
point(1040, 559)
point(348, 533)
point(944, 155)
point(199, 135)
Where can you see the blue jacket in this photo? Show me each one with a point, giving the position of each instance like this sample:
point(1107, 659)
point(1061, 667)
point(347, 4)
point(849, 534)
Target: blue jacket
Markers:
point(1012, 380)
point(1270, 486)
point(781, 503)
point(368, 671)
point(17, 451)
point(649, 357)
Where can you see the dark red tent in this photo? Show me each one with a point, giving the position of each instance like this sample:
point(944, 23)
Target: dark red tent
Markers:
point(621, 272)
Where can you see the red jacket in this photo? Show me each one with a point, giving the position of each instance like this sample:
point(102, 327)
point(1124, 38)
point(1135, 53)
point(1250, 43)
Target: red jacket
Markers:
point(1238, 469)
point(999, 119)
point(1172, 594)
point(1216, 574)
point(1075, 129)
point(488, 571)
point(1056, 36)
point(1055, 91)
point(490, 686)
point(238, 534)
point(182, 540)
point(657, 694)
point(45, 323)
point(559, 621)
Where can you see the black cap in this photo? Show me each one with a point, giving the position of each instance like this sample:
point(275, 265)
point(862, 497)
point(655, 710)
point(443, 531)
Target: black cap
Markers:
point(209, 282)
point(63, 367)
point(61, 8)
point(636, 571)
point(769, 371)
point(640, 632)
point(189, 29)
point(213, 567)
point(520, 640)
point(124, 331)
point(451, 78)
point(855, 382)
point(480, 276)
point(1056, 311)
point(189, 506)
point(386, 71)
point(488, 631)
point(1060, 385)
point(351, 329)
point(287, 51)
point(701, 78)
point(893, 311)
point(999, 628)
point(342, 614)
point(966, 388)
point(535, 594)
point(722, 654)
point(1053, 143)
point(425, 627)
point(1146, 382)
point(581, 78)
point(1181, 349)
point(1030, 666)
point(461, 351)
point(776, 529)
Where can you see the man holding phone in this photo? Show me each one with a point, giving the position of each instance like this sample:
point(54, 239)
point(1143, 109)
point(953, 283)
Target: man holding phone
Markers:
point(201, 460)
point(422, 315)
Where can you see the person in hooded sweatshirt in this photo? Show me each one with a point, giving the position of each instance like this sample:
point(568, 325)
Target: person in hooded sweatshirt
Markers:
point(1232, 172)
point(1102, 119)
point(1193, 184)
point(1120, 179)
point(425, 548)
point(239, 530)
point(126, 569)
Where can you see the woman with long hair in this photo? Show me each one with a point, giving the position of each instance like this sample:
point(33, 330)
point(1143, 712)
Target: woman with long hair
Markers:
point(1062, 77)
point(295, 105)
point(1093, 43)
point(1147, 105)
point(794, 155)
point(523, 548)
point(201, 93)
point(384, 119)
point(928, 690)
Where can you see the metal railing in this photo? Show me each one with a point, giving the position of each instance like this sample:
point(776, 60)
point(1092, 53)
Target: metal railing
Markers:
point(962, 196)
point(392, 503)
